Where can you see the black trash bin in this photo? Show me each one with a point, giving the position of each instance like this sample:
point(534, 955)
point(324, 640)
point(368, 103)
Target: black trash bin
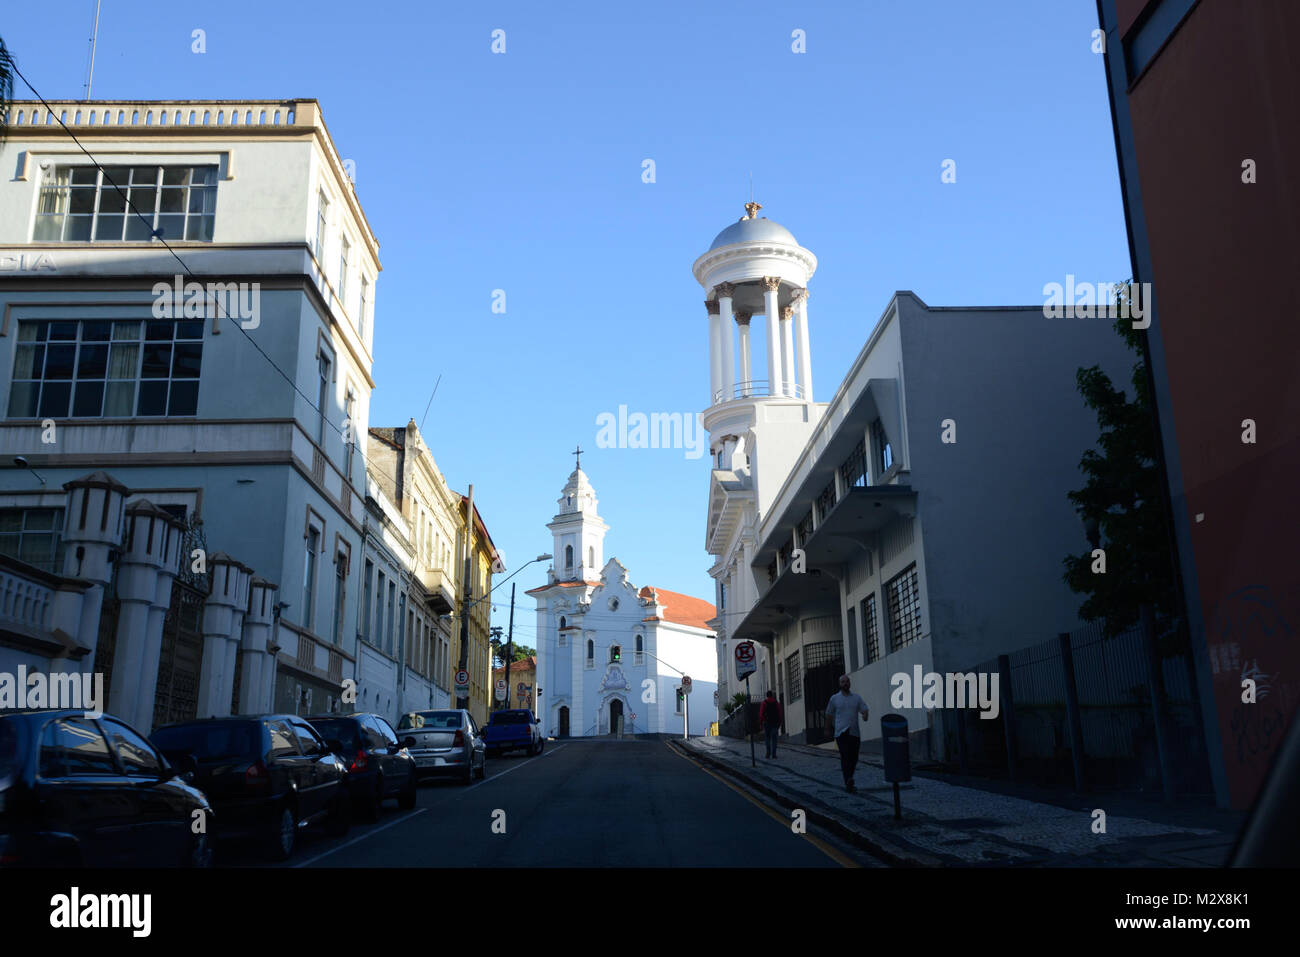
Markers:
point(898, 761)
point(893, 735)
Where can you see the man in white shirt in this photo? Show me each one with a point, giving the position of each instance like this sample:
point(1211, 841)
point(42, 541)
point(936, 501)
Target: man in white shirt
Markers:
point(842, 724)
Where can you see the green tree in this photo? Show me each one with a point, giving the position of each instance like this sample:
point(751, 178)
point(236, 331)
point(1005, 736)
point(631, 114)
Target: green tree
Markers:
point(521, 652)
point(1122, 503)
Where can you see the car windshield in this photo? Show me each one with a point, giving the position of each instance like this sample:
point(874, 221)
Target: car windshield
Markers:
point(210, 741)
point(416, 720)
point(509, 717)
point(344, 730)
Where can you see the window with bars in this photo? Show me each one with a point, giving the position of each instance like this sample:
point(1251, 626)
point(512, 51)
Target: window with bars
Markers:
point(81, 204)
point(870, 630)
point(794, 688)
point(826, 501)
point(82, 368)
point(854, 468)
point(903, 595)
point(34, 536)
point(806, 528)
point(853, 639)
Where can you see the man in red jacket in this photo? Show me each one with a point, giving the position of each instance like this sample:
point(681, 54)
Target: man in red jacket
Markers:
point(769, 716)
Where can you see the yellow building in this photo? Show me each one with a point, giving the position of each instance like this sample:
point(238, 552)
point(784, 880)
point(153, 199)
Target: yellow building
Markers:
point(485, 563)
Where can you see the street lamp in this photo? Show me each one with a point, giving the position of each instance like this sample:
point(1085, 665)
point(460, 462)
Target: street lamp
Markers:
point(469, 603)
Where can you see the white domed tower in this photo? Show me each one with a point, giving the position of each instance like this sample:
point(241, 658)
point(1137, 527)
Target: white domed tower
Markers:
point(578, 532)
point(756, 267)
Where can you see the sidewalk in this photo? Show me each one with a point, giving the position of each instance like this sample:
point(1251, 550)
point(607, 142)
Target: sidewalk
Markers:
point(969, 824)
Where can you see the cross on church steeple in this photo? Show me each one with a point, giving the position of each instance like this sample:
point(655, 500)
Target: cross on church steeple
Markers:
point(577, 458)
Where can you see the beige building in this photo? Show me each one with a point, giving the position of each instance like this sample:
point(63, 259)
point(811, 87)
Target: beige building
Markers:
point(413, 583)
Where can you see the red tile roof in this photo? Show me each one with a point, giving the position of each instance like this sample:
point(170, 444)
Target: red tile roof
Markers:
point(533, 591)
point(681, 609)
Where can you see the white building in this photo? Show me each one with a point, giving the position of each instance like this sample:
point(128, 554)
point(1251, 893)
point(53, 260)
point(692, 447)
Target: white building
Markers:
point(242, 416)
point(610, 655)
point(918, 518)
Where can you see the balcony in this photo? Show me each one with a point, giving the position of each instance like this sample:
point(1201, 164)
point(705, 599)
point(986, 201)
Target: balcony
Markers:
point(441, 588)
point(27, 619)
point(758, 388)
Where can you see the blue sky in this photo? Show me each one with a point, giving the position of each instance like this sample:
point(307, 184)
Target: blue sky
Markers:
point(523, 172)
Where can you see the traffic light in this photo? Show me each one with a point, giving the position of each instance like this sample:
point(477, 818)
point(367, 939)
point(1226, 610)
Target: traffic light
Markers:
point(680, 696)
point(617, 655)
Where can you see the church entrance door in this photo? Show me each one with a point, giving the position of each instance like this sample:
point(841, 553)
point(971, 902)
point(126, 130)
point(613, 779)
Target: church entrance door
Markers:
point(616, 716)
point(564, 722)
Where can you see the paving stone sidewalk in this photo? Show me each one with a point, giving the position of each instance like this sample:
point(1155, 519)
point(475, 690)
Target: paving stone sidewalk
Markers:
point(953, 824)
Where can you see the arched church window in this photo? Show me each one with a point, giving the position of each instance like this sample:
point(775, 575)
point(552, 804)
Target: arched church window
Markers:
point(591, 650)
point(568, 556)
point(591, 556)
point(564, 622)
point(640, 651)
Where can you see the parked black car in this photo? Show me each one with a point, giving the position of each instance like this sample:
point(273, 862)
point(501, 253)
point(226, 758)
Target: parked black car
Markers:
point(93, 791)
point(379, 766)
point(266, 775)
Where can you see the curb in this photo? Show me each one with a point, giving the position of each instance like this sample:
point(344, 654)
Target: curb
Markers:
point(869, 842)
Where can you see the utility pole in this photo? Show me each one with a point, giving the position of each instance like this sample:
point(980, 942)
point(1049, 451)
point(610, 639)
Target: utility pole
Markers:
point(463, 702)
point(510, 637)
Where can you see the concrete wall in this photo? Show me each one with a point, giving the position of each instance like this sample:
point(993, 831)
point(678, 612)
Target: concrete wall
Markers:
point(993, 505)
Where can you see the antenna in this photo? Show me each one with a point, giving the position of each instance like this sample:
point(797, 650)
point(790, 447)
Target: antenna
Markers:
point(94, 33)
point(426, 408)
point(751, 186)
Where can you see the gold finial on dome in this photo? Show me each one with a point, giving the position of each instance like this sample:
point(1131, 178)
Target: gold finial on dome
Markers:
point(752, 208)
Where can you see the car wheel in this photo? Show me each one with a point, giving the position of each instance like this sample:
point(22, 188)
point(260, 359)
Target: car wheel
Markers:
point(370, 809)
point(284, 833)
point(200, 852)
point(340, 817)
point(482, 769)
point(406, 800)
point(532, 749)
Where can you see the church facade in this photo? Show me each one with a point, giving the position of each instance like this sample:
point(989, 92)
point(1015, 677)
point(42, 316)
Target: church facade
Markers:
point(611, 655)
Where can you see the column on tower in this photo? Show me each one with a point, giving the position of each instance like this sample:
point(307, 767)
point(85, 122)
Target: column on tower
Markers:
point(770, 286)
point(715, 349)
point(746, 373)
point(727, 384)
point(787, 350)
point(801, 333)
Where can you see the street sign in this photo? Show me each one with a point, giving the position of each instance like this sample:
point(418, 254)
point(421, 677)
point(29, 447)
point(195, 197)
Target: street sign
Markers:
point(522, 688)
point(501, 694)
point(746, 660)
point(462, 683)
point(686, 683)
point(501, 684)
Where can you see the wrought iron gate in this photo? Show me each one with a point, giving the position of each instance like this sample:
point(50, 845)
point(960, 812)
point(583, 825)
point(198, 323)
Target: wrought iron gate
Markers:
point(823, 665)
point(181, 658)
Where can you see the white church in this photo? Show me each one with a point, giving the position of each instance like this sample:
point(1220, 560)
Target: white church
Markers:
point(610, 655)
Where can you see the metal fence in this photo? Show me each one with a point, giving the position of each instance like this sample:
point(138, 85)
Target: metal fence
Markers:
point(1120, 744)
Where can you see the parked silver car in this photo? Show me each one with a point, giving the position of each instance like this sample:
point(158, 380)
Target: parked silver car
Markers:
point(444, 743)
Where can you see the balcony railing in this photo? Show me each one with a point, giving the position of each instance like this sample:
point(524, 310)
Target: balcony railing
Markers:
point(757, 388)
point(24, 599)
point(156, 113)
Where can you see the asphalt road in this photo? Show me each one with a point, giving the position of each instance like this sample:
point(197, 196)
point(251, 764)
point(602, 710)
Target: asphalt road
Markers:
point(581, 803)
